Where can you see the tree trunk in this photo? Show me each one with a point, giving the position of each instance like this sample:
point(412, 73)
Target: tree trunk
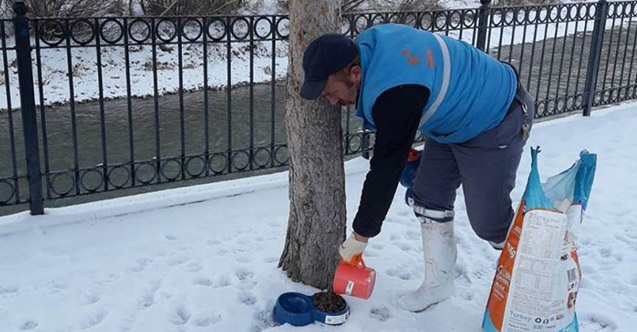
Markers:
point(316, 226)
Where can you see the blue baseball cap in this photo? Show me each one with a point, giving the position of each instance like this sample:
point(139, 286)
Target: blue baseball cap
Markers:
point(325, 56)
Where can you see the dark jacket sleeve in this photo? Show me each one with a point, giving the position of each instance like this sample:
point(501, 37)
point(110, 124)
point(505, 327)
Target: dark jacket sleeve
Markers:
point(396, 114)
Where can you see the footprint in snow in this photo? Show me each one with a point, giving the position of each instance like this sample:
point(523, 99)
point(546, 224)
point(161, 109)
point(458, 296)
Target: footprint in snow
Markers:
point(625, 212)
point(179, 315)
point(171, 237)
point(241, 249)
point(246, 279)
point(404, 246)
point(222, 281)
point(244, 275)
point(271, 260)
point(178, 259)
point(139, 265)
point(244, 259)
point(597, 323)
point(57, 286)
point(624, 239)
point(147, 298)
point(89, 298)
point(606, 252)
point(406, 213)
point(8, 290)
point(585, 241)
point(107, 278)
point(467, 295)
point(381, 313)
point(206, 318)
point(400, 274)
point(193, 267)
point(462, 278)
point(274, 224)
point(167, 294)
point(263, 320)
point(28, 325)
point(230, 238)
point(201, 281)
point(413, 235)
point(247, 298)
point(93, 319)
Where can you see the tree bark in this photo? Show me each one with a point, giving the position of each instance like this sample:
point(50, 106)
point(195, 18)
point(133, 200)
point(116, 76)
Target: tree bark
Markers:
point(316, 225)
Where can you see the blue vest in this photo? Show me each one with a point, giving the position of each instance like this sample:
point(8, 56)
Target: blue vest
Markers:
point(470, 91)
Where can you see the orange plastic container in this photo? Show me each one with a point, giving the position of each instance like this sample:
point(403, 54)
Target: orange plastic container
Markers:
point(354, 280)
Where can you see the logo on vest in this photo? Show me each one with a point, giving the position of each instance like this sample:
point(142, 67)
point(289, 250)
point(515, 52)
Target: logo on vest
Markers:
point(414, 60)
point(411, 58)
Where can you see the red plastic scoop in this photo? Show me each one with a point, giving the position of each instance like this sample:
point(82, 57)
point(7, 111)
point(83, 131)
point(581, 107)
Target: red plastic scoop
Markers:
point(354, 280)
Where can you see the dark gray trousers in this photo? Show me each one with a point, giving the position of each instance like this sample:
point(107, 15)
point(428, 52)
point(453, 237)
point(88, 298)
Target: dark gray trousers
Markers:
point(486, 167)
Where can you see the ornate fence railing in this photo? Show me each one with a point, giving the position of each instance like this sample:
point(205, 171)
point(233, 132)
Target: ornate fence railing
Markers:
point(109, 103)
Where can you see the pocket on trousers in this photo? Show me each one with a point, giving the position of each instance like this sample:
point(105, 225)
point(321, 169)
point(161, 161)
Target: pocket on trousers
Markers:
point(509, 129)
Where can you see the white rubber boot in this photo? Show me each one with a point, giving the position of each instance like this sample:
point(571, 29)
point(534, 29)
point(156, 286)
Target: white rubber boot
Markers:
point(439, 247)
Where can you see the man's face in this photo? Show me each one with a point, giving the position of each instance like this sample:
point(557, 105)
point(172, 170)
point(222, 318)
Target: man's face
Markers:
point(342, 88)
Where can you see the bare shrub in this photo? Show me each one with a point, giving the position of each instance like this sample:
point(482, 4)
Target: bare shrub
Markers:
point(380, 5)
point(509, 3)
point(403, 5)
point(188, 7)
point(70, 8)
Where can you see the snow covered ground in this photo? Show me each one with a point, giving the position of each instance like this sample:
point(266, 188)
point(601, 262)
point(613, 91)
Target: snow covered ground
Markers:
point(204, 258)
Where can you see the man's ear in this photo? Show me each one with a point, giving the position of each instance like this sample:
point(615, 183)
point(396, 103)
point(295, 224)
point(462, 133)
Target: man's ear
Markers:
point(355, 73)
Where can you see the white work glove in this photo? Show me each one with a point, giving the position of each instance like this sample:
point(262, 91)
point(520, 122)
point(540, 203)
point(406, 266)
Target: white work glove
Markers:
point(351, 250)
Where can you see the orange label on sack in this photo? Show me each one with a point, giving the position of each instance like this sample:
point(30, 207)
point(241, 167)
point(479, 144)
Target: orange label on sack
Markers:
point(502, 281)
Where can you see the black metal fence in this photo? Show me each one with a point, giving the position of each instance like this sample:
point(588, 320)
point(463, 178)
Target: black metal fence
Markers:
point(149, 100)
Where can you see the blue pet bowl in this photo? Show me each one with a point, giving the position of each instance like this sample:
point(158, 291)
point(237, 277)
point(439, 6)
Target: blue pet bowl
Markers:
point(299, 310)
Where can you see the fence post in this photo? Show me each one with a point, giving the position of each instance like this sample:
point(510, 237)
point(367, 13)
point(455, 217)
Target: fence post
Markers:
point(483, 23)
point(595, 55)
point(27, 101)
point(365, 144)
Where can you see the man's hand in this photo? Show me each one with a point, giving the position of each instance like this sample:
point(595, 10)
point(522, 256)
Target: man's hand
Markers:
point(351, 250)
